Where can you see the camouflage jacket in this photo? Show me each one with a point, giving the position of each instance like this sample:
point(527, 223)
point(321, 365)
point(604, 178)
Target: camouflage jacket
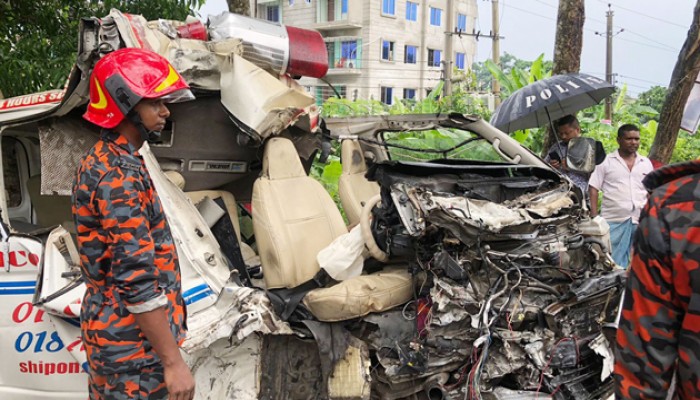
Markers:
point(127, 257)
point(659, 331)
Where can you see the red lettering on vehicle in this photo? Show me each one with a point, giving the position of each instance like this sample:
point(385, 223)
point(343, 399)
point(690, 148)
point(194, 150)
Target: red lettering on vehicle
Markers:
point(24, 310)
point(20, 258)
point(31, 100)
point(49, 368)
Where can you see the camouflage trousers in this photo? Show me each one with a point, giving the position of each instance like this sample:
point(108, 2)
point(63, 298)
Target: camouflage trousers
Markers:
point(145, 384)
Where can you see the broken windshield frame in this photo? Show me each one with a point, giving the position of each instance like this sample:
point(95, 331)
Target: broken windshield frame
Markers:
point(438, 144)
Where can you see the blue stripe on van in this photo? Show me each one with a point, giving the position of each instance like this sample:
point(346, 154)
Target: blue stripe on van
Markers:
point(196, 298)
point(4, 292)
point(192, 291)
point(17, 287)
point(18, 284)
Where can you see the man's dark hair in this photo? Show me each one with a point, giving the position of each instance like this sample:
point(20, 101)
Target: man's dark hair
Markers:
point(566, 120)
point(626, 128)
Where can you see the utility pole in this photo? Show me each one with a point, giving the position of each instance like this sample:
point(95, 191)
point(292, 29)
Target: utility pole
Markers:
point(609, 76)
point(447, 63)
point(609, 61)
point(496, 53)
point(495, 49)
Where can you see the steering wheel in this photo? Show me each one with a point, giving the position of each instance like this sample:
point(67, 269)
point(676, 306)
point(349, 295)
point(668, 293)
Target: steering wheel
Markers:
point(365, 219)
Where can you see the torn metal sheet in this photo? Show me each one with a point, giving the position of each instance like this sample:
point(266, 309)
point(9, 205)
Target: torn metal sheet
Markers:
point(281, 105)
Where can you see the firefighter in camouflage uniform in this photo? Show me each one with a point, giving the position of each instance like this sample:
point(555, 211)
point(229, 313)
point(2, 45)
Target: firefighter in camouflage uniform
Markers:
point(133, 314)
point(659, 332)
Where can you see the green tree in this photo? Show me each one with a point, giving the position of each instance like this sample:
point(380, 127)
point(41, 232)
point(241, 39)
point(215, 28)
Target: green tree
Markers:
point(654, 97)
point(682, 80)
point(239, 6)
point(483, 76)
point(38, 39)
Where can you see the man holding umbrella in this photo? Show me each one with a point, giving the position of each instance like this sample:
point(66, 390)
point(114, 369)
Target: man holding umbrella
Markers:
point(556, 98)
point(567, 128)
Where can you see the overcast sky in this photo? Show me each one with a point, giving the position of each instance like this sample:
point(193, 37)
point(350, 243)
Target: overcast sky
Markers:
point(644, 53)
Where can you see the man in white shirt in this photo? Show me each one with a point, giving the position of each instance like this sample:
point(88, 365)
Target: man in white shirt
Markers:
point(619, 177)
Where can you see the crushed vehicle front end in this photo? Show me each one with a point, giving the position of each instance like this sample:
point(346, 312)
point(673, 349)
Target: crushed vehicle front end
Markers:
point(521, 285)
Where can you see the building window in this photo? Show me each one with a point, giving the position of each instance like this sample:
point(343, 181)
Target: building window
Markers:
point(389, 7)
point(308, 1)
point(272, 13)
point(459, 60)
point(411, 11)
point(461, 22)
point(435, 16)
point(387, 95)
point(330, 48)
point(409, 54)
point(348, 53)
point(291, 3)
point(387, 50)
point(323, 93)
point(344, 53)
point(331, 10)
point(409, 94)
point(434, 57)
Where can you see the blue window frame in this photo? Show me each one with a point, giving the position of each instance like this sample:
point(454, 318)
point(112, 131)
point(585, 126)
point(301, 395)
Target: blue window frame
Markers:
point(461, 22)
point(387, 50)
point(344, 7)
point(389, 7)
point(410, 53)
point(273, 13)
point(411, 11)
point(409, 93)
point(348, 50)
point(435, 16)
point(459, 60)
point(434, 57)
point(387, 95)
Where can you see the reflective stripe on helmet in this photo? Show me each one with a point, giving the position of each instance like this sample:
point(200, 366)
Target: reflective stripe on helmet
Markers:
point(172, 77)
point(102, 100)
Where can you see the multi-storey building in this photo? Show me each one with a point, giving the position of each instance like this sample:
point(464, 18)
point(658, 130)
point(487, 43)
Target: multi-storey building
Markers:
point(381, 49)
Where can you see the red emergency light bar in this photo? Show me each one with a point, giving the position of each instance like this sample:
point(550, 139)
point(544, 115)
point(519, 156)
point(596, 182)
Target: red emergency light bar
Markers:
point(279, 48)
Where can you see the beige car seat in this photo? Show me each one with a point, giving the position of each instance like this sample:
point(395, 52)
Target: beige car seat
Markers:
point(293, 219)
point(353, 188)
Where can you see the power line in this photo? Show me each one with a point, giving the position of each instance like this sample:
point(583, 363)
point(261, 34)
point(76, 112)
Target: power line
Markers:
point(652, 40)
point(642, 14)
point(649, 45)
point(530, 12)
point(640, 80)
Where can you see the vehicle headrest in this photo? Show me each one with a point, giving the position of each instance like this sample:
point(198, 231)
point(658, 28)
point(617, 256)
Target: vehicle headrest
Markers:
point(351, 157)
point(281, 160)
point(176, 178)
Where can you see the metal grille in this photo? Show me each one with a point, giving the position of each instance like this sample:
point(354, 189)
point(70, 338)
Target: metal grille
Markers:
point(63, 144)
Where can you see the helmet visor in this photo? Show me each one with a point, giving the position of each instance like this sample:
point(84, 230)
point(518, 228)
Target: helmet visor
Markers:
point(178, 96)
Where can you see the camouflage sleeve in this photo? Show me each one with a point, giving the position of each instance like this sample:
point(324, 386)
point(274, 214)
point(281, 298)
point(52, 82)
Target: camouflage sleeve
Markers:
point(651, 315)
point(122, 203)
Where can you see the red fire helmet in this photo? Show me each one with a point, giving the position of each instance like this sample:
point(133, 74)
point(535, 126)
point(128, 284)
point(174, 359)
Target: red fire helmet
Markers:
point(126, 76)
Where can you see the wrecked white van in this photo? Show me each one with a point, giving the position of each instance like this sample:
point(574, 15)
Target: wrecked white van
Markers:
point(472, 270)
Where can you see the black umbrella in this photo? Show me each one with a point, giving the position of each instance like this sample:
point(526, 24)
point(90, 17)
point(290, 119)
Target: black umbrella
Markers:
point(542, 102)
